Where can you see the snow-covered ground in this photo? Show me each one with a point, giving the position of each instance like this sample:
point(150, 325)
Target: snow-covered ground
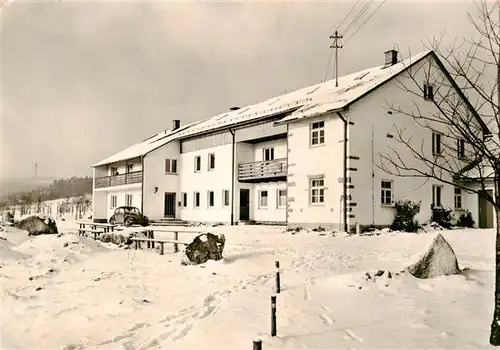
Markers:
point(73, 293)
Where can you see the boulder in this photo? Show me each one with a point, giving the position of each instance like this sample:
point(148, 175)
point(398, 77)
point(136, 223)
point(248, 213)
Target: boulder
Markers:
point(38, 225)
point(204, 247)
point(438, 260)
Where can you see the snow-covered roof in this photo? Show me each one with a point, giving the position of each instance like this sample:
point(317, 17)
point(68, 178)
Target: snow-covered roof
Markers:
point(303, 103)
point(145, 146)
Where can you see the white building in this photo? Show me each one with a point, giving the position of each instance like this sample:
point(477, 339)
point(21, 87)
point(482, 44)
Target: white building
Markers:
point(284, 160)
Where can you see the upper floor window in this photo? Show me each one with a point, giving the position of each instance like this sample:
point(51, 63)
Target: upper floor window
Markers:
point(461, 148)
point(114, 170)
point(436, 143)
point(197, 163)
point(211, 161)
point(317, 133)
point(317, 190)
point(171, 166)
point(130, 167)
point(268, 154)
point(428, 91)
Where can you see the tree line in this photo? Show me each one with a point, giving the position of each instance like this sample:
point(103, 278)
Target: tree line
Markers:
point(63, 188)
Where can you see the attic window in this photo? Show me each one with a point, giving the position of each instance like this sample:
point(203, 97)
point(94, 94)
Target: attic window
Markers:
point(362, 75)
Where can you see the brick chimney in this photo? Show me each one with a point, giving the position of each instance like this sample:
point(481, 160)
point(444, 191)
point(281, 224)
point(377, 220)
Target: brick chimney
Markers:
point(391, 58)
point(176, 125)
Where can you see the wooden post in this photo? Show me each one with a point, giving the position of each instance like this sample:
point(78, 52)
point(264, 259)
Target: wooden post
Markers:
point(273, 316)
point(152, 237)
point(257, 344)
point(176, 245)
point(161, 248)
point(95, 236)
point(148, 244)
point(278, 288)
point(136, 245)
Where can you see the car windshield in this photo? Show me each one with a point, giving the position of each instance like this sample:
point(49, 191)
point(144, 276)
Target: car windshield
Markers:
point(132, 211)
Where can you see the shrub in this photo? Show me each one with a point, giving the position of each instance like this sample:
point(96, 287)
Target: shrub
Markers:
point(442, 216)
point(465, 220)
point(404, 220)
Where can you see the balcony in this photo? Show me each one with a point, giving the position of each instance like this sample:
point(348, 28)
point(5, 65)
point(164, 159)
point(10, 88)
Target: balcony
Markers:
point(273, 170)
point(118, 180)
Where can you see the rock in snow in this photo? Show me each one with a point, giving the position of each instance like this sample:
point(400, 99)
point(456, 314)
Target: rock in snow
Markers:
point(38, 225)
point(204, 247)
point(438, 260)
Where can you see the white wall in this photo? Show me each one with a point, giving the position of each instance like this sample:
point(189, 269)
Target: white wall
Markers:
point(278, 145)
point(206, 180)
point(120, 197)
point(272, 213)
point(305, 161)
point(155, 176)
point(368, 139)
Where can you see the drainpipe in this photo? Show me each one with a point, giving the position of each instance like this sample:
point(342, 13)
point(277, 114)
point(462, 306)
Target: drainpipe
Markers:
point(232, 177)
point(142, 185)
point(345, 169)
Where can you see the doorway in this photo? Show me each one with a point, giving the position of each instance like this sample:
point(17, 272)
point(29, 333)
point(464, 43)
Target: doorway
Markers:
point(244, 204)
point(486, 215)
point(170, 205)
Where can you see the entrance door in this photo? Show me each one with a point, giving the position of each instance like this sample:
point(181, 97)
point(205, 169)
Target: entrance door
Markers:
point(170, 205)
point(244, 204)
point(485, 212)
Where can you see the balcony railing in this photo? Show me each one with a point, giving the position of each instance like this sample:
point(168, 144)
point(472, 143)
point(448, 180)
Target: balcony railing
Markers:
point(117, 180)
point(262, 171)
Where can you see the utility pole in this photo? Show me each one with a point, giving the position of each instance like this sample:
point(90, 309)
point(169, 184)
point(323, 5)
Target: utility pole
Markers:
point(336, 46)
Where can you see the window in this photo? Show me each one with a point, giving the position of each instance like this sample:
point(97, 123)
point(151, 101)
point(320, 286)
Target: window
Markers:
point(461, 148)
point(113, 202)
point(171, 166)
point(211, 199)
point(317, 133)
point(268, 154)
point(211, 161)
point(130, 167)
point(386, 193)
point(114, 171)
point(225, 197)
point(317, 190)
point(281, 198)
point(196, 200)
point(263, 199)
point(128, 200)
point(436, 196)
point(184, 199)
point(436, 143)
point(458, 198)
point(428, 91)
point(197, 163)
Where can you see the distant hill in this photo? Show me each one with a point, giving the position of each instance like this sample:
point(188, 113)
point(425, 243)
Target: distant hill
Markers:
point(11, 185)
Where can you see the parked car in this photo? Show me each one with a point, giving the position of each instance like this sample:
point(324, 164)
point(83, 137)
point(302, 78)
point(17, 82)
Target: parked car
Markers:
point(128, 216)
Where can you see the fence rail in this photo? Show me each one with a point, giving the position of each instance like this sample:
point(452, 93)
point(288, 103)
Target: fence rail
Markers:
point(117, 180)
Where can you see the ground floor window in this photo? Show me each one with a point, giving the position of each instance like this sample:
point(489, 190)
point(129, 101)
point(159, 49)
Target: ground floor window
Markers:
point(387, 192)
point(263, 195)
point(211, 199)
point(225, 196)
point(184, 197)
point(317, 190)
point(128, 200)
point(281, 200)
point(436, 196)
point(113, 202)
point(458, 198)
point(196, 199)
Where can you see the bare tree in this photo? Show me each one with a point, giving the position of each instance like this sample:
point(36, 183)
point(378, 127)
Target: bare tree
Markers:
point(463, 151)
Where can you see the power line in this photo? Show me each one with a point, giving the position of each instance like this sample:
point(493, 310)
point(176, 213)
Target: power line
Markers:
point(358, 16)
point(347, 40)
point(348, 13)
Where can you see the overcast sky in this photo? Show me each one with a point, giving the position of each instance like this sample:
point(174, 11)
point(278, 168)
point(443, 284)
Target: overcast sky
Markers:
point(81, 81)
